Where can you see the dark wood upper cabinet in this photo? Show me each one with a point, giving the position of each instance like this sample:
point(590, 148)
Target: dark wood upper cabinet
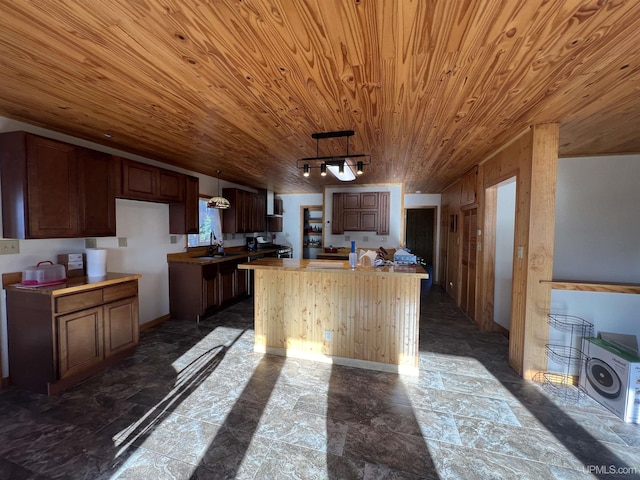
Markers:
point(96, 193)
point(52, 197)
point(366, 211)
point(274, 224)
point(184, 216)
point(139, 180)
point(171, 185)
point(350, 200)
point(247, 211)
point(51, 189)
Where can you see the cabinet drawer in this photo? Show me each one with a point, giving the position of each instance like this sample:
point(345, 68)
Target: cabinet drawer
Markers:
point(78, 301)
point(121, 290)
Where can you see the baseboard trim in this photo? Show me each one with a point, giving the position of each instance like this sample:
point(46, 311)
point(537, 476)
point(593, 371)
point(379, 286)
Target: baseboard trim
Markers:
point(154, 323)
point(347, 362)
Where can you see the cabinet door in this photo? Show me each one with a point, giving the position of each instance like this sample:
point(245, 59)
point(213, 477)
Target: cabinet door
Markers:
point(52, 192)
point(120, 325)
point(351, 220)
point(351, 200)
point(383, 213)
point(275, 224)
point(96, 191)
point(368, 221)
point(210, 287)
point(246, 211)
point(139, 180)
point(227, 279)
point(80, 344)
point(337, 226)
point(241, 281)
point(170, 186)
point(184, 216)
point(260, 212)
point(369, 200)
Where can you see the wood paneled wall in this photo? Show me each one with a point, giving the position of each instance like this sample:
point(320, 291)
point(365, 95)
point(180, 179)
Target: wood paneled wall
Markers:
point(532, 159)
point(371, 317)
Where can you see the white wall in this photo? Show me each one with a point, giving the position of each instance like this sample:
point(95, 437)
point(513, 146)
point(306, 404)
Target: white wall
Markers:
point(596, 239)
point(598, 219)
point(505, 229)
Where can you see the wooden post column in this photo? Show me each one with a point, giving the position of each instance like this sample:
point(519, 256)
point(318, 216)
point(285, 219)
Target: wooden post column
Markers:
point(538, 253)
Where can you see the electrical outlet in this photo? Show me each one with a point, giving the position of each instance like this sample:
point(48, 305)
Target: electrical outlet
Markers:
point(9, 247)
point(90, 243)
point(173, 239)
point(365, 238)
point(328, 335)
point(122, 241)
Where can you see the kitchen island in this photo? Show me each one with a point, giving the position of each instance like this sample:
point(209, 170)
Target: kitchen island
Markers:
point(322, 310)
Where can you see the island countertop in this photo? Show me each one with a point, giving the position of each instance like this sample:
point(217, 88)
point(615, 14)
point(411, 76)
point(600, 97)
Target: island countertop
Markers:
point(323, 310)
point(334, 266)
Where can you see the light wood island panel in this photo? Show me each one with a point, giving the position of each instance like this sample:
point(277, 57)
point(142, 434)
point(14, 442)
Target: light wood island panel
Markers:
point(322, 310)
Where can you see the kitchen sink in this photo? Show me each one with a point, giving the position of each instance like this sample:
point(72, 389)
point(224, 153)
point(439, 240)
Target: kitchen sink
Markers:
point(210, 257)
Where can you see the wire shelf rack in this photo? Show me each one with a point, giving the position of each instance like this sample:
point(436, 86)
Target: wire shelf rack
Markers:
point(560, 386)
point(570, 323)
point(565, 355)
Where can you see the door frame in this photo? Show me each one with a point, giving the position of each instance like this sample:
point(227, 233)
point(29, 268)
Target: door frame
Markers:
point(436, 236)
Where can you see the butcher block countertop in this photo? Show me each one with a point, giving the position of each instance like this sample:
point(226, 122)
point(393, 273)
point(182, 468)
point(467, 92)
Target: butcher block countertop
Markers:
point(198, 255)
point(78, 284)
point(335, 266)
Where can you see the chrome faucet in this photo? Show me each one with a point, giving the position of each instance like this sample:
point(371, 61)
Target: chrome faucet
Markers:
point(212, 249)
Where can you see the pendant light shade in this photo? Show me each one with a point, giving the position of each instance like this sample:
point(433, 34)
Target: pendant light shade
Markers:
point(218, 202)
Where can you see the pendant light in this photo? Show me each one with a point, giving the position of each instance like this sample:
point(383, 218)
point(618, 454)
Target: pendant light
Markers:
point(218, 202)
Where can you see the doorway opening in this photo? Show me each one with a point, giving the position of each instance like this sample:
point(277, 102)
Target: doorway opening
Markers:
point(504, 238)
point(420, 236)
point(311, 230)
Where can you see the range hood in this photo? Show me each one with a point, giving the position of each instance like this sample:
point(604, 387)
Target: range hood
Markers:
point(270, 201)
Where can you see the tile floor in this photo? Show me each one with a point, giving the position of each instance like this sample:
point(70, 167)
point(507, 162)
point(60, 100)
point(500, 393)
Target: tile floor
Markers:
point(195, 402)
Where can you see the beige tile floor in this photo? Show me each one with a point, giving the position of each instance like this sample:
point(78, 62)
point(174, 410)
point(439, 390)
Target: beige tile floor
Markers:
point(195, 402)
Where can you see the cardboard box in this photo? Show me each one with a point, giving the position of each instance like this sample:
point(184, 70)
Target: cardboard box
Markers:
point(611, 376)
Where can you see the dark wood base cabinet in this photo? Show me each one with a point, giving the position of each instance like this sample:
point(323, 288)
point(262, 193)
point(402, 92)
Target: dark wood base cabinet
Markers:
point(197, 290)
point(56, 341)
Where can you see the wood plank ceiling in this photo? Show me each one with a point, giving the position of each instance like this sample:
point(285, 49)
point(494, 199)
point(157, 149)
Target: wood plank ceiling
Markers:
point(429, 87)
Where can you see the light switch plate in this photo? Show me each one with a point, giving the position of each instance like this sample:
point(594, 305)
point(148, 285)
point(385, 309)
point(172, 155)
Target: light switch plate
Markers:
point(9, 247)
point(90, 243)
point(122, 241)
